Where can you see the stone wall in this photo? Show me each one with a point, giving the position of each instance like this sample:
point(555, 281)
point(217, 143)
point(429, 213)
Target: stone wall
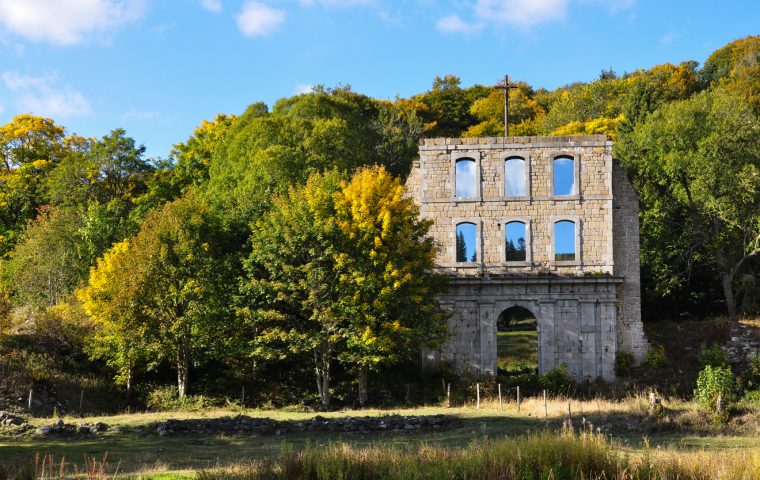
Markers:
point(588, 308)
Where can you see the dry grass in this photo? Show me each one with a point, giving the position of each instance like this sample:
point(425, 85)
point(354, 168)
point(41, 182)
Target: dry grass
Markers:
point(585, 455)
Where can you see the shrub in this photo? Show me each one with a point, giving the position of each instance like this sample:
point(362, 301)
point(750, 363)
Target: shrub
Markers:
point(714, 383)
point(752, 375)
point(656, 357)
point(713, 355)
point(558, 381)
point(166, 398)
point(624, 363)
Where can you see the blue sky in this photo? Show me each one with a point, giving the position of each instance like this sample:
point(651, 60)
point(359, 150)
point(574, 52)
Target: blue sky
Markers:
point(158, 67)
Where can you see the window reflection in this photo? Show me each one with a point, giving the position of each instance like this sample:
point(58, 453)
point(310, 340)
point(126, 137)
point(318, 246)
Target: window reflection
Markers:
point(514, 177)
point(564, 240)
point(466, 178)
point(564, 176)
point(514, 233)
point(466, 243)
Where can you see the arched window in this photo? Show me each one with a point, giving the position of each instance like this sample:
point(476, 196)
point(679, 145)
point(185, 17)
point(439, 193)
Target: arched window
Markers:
point(564, 176)
point(514, 236)
point(564, 241)
point(466, 178)
point(514, 177)
point(467, 250)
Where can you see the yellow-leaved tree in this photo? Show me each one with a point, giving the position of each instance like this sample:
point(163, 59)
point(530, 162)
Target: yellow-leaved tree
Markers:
point(343, 271)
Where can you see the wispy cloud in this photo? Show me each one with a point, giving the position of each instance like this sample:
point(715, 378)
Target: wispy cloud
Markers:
point(68, 22)
point(454, 24)
point(258, 20)
point(302, 88)
point(214, 6)
point(44, 96)
point(141, 115)
point(338, 3)
point(519, 14)
point(668, 38)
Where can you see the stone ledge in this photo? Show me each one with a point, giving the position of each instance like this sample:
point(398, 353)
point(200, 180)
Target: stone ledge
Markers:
point(533, 279)
point(489, 143)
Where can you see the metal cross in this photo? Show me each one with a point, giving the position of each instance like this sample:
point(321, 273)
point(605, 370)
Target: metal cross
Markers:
point(506, 86)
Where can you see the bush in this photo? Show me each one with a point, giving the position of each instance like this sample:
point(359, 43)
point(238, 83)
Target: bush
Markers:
point(558, 381)
point(167, 399)
point(752, 375)
point(656, 357)
point(624, 363)
point(714, 383)
point(713, 355)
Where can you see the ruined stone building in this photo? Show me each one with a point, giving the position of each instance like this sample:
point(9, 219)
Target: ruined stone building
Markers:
point(549, 224)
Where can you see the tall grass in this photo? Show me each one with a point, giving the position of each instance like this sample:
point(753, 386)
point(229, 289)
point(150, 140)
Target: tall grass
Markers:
point(568, 455)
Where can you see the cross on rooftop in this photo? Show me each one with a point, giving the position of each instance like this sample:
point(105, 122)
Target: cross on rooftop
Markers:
point(506, 86)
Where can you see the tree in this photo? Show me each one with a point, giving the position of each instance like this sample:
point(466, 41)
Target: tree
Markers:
point(696, 167)
point(177, 290)
point(292, 273)
point(388, 284)
point(343, 271)
point(30, 147)
point(46, 263)
point(524, 113)
point(110, 300)
point(448, 105)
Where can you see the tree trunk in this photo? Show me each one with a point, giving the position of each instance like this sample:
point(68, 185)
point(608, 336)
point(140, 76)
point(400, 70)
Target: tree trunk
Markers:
point(322, 369)
point(362, 380)
point(728, 293)
point(129, 383)
point(183, 368)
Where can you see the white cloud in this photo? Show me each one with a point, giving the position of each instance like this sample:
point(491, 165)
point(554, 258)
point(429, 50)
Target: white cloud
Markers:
point(337, 3)
point(302, 88)
point(520, 13)
point(613, 5)
point(43, 96)
point(258, 20)
point(68, 22)
point(454, 24)
point(214, 6)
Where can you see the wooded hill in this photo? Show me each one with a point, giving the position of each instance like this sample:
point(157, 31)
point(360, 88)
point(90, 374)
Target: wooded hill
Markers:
point(209, 261)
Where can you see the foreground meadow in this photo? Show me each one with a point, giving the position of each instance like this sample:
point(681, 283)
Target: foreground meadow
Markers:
point(604, 439)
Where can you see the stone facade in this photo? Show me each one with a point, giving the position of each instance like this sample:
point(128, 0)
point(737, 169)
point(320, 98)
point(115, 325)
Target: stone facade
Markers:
point(587, 308)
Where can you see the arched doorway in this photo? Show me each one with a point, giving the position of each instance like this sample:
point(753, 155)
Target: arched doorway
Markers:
point(516, 341)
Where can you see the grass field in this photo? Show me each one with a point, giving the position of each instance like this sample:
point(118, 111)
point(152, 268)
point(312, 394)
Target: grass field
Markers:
point(134, 451)
point(517, 346)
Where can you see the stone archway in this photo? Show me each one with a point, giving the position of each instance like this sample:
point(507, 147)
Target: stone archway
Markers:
point(516, 341)
point(576, 322)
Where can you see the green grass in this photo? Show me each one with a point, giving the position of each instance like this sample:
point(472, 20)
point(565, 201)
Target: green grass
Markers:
point(517, 348)
point(133, 451)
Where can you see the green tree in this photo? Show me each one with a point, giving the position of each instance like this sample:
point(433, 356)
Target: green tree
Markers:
point(178, 296)
point(343, 271)
point(30, 147)
point(111, 300)
point(291, 307)
point(696, 167)
point(448, 105)
point(46, 263)
point(387, 283)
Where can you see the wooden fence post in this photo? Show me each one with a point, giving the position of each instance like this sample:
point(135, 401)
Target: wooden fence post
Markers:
point(546, 410)
point(477, 389)
point(501, 405)
point(518, 399)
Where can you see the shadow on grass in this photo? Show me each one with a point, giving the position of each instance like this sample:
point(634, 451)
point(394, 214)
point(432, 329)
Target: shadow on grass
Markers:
point(133, 452)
